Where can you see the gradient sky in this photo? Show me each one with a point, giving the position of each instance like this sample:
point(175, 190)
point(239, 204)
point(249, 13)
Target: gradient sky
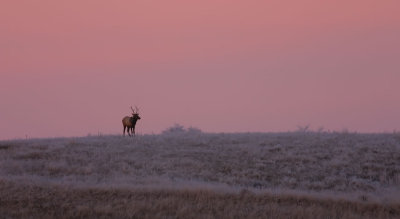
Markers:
point(70, 68)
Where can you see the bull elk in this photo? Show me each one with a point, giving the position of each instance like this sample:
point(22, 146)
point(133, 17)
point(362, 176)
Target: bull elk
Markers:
point(130, 122)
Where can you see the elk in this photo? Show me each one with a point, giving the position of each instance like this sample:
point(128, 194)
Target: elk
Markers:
point(130, 122)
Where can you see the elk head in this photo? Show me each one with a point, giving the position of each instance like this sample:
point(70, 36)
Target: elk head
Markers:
point(135, 115)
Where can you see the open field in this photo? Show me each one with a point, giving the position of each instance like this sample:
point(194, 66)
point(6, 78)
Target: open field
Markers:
point(187, 173)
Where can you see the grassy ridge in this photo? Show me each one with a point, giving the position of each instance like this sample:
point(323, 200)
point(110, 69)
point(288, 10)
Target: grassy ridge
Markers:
point(187, 173)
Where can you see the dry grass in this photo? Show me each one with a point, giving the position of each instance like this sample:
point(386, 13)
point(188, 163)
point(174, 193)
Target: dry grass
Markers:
point(189, 174)
point(18, 201)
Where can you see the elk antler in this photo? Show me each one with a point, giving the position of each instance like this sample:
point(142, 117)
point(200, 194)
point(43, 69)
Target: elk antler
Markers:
point(137, 109)
point(133, 110)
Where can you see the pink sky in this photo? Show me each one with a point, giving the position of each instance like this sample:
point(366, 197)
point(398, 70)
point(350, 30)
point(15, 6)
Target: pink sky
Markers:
point(69, 68)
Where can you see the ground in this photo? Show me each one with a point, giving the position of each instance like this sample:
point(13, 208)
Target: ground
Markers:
point(189, 174)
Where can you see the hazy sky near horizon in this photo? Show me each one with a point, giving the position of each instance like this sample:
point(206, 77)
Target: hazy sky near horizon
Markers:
point(69, 68)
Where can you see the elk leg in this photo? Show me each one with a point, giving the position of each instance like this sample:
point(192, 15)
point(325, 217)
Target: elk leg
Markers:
point(124, 130)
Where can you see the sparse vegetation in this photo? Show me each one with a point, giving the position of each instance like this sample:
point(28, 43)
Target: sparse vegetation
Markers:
point(187, 173)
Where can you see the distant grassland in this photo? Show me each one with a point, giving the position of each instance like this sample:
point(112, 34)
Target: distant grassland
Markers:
point(187, 173)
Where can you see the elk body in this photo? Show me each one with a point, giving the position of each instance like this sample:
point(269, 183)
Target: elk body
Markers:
point(129, 122)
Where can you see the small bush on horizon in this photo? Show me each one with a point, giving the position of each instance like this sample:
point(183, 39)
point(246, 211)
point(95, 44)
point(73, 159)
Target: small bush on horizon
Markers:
point(303, 129)
point(180, 129)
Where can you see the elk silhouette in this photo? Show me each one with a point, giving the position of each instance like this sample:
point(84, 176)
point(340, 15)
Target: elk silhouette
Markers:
point(130, 122)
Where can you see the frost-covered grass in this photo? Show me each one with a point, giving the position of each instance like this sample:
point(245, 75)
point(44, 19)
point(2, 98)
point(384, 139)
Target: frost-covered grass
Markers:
point(361, 168)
